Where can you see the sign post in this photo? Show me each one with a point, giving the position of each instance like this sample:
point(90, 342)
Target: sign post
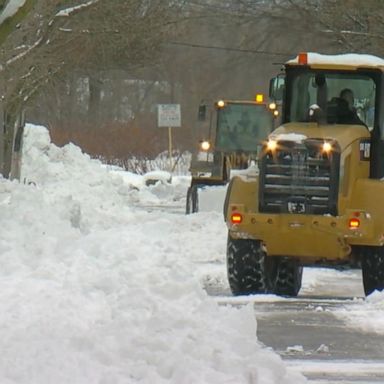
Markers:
point(169, 115)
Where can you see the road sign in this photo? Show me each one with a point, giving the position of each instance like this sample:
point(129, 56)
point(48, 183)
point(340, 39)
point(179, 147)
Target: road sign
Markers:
point(169, 115)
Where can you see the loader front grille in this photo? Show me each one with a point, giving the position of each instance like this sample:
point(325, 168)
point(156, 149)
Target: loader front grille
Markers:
point(299, 178)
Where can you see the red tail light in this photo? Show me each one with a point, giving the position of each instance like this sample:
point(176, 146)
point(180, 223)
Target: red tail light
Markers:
point(236, 218)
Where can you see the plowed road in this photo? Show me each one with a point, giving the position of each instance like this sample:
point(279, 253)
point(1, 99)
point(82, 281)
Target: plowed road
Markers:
point(308, 335)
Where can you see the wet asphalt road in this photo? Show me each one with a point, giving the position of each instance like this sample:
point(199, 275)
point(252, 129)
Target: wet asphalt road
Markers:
point(308, 335)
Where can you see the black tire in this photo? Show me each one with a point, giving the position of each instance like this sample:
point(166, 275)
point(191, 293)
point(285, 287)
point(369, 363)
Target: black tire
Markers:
point(249, 269)
point(192, 203)
point(289, 274)
point(372, 265)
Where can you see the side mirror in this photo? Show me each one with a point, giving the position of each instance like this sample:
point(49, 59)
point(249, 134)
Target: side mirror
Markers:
point(276, 88)
point(202, 114)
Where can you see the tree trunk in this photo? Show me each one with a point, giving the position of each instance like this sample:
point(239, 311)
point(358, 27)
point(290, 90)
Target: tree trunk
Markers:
point(17, 147)
point(94, 99)
point(13, 124)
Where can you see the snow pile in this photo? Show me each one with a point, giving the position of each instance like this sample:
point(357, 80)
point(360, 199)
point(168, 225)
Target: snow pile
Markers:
point(94, 290)
point(366, 315)
point(295, 137)
point(360, 312)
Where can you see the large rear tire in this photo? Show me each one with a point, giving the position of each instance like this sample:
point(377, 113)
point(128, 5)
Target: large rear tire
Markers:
point(372, 264)
point(192, 203)
point(289, 274)
point(249, 269)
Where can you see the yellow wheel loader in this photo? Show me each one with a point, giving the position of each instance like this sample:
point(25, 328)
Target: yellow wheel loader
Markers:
point(235, 132)
point(318, 199)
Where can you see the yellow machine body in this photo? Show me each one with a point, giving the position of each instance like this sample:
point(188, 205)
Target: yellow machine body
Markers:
point(358, 218)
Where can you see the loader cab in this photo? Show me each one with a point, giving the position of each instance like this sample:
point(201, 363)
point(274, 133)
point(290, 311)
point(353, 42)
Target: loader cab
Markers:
point(241, 126)
point(333, 93)
point(235, 131)
point(314, 92)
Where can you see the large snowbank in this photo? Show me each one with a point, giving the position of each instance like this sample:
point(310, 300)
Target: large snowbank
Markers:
point(94, 289)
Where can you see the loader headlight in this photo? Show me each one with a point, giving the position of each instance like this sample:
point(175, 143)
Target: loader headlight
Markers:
point(220, 104)
point(327, 147)
point(271, 145)
point(205, 145)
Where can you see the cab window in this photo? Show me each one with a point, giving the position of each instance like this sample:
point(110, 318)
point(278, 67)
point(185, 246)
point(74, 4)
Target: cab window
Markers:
point(344, 98)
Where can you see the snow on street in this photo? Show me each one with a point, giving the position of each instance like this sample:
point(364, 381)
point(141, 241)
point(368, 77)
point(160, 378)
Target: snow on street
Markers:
point(96, 289)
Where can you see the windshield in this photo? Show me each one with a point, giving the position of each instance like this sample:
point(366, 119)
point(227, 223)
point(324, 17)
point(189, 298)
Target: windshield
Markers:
point(241, 127)
point(344, 98)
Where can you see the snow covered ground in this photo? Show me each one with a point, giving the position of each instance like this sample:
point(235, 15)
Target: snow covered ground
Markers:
point(96, 289)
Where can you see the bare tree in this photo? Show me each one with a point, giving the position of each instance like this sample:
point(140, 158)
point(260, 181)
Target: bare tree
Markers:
point(57, 38)
point(107, 64)
point(351, 25)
